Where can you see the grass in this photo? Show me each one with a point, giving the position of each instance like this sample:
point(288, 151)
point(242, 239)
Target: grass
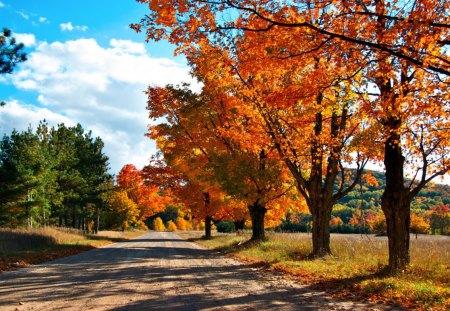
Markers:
point(356, 268)
point(23, 247)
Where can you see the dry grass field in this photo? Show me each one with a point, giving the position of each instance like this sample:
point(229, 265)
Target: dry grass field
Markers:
point(356, 267)
point(23, 247)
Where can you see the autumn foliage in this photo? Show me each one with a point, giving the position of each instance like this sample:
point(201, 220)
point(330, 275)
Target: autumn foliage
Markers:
point(133, 201)
point(300, 91)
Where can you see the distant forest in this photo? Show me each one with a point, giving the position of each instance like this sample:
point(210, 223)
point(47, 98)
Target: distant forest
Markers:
point(360, 210)
point(370, 196)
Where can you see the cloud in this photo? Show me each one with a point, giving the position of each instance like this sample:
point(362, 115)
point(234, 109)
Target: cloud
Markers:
point(17, 115)
point(126, 46)
point(69, 27)
point(101, 88)
point(2, 4)
point(27, 39)
point(42, 19)
point(25, 16)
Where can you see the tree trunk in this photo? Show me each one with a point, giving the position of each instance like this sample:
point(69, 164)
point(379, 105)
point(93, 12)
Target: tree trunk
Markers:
point(208, 218)
point(66, 218)
point(208, 224)
point(239, 225)
point(257, 214)
point(97, 221)
point(321, 215)
point(395, 204)
point(74, 217)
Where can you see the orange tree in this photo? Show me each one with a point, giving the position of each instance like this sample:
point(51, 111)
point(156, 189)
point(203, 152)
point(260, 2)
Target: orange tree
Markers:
point(199, 124)
point(186, 162)
point(402, 46)
point(148, 198)
point(302, 108)
point(185, 187)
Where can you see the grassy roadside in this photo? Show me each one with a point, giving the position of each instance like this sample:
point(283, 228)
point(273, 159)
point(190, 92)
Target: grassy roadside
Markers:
point(20, 247)
point(356, 268)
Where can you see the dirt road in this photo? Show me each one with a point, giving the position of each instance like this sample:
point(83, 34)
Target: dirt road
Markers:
point(157, 271)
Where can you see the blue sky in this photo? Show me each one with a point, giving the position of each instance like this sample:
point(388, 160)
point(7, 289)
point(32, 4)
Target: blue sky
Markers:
point(86, 66)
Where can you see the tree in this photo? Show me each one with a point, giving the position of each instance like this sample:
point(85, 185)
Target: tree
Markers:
point(331, 22)
point(50, 175)
point(158, 224)
point(377, 223)
point(181, 184)
point(440, 219)
point(418, 224)
point(182, 224)
point(27, 181)
point(125, 211)
point(281, 98)
point(402, 51)
point(82, 173)
point(171, 226)
point(10, 53)
point(195, 131)
point(147, 197)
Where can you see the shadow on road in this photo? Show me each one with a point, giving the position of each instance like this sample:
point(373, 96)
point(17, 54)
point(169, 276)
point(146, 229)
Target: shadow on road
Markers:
point(181, 277)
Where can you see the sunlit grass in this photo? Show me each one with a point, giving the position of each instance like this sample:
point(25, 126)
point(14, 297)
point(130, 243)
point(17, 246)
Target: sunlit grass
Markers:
point(355, 266)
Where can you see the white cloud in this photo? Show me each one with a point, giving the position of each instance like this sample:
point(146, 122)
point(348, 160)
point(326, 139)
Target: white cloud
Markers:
point(101, 88)
point(42, 19)
point(2, 4)
point(127, 46)
point(17, 115)
point(25, 16)
point(69, 27)
point(27, 39)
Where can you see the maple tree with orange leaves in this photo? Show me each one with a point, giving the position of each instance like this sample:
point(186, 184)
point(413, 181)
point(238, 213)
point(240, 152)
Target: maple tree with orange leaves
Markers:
point(392, 55)
point(194, 140)
point(148, 198)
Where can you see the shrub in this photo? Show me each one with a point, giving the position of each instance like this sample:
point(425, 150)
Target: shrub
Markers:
point(182, 224)
point(171, 226)
point(225, 226)
point(158, 224)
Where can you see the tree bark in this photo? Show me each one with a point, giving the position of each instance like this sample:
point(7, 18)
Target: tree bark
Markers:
point(208, 218)
point(320, 228)
point(239, 224)
point(208, 225)
point(66, 218)
point(257, 214)
point(97, 221)
point(395, 204)
point(74, 216)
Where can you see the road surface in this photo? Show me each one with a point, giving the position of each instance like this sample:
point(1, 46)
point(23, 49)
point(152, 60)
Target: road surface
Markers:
point(157, 271)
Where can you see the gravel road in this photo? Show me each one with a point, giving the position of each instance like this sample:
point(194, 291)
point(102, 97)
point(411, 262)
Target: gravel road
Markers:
point(158, 271)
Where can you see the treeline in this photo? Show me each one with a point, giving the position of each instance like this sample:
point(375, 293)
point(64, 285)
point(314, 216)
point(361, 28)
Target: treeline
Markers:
point(360, 210)
point(369, 196)
point(52, 176)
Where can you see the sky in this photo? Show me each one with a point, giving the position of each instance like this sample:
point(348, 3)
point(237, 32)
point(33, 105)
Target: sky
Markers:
point(85, 65)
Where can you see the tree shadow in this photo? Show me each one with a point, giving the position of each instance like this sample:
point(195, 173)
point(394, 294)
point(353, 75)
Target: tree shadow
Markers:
point(149, 276)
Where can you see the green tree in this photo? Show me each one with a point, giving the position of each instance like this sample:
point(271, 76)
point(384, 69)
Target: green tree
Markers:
point(51, 176)
point(26, 179)
point(440, 219)
point(10, 53)
point(82, 173)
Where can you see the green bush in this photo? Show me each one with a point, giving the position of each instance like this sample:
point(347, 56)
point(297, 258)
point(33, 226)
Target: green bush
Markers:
point(225, 226)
